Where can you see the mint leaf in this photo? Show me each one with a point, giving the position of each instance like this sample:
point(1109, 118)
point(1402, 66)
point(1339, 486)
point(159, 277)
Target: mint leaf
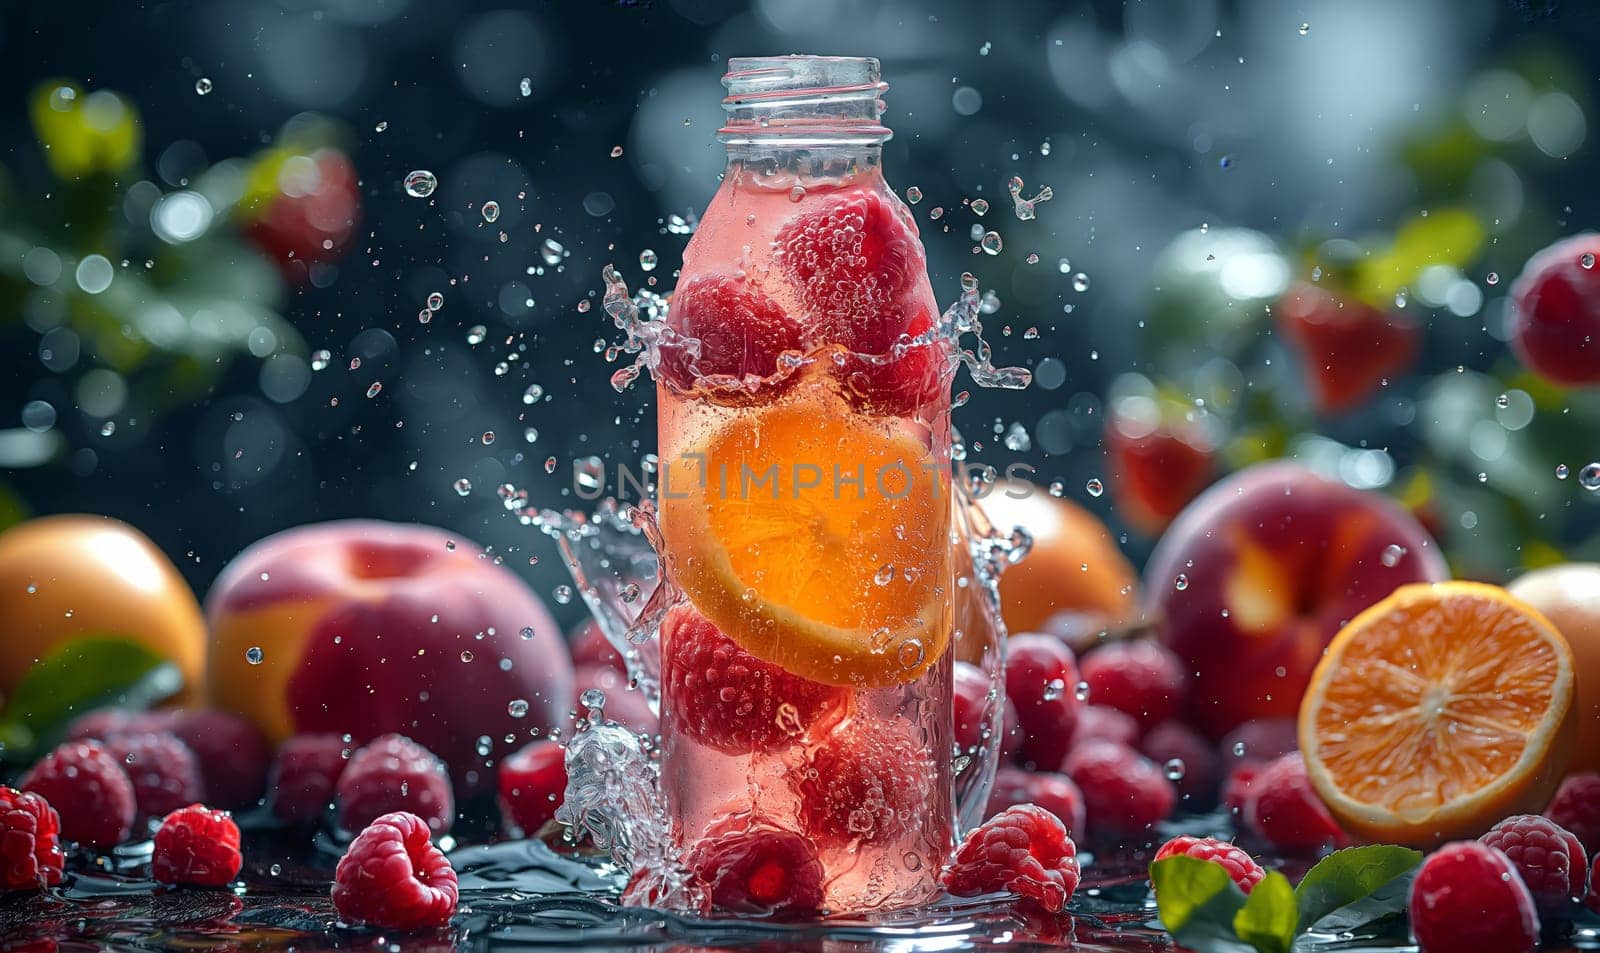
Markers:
point(1198, 902)
point(1269, 917)
point(1357, 874)
point(79, 675)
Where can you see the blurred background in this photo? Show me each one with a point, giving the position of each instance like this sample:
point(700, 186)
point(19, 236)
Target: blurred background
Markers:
point(231, 302)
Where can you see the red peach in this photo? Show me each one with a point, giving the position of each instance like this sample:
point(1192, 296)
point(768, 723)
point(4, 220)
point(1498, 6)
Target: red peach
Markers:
point(1257, 575)
point(367, 628)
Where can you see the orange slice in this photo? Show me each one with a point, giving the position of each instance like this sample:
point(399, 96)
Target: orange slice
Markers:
point(817, 539)
point(1437, 712)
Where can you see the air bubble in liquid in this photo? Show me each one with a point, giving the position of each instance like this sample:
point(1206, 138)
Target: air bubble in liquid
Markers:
point(1095, 487)
point(254, 655)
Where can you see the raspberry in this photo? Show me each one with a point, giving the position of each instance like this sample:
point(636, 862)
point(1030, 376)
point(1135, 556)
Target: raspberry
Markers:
point(1055, 793)
point(853, 257)
point(624, 705)
point(970, 691)
point(1173, 741)
point(1241, 867)
point(90, 791)
point(1104, 723)
point(196, 845)
point(902, 378)
point(1592, 900)
point(1024, 850)
point(1576, 807)
point(591, 647)
point(864, 783)
point(232, 753)
point(392, 877)
point(394, 773)
point(304, 775)
point(759, 870)
point(742, 332)
point(1124, 792)
point(1140, 678)
point(532, 783)
point(1236, 789)
point(1259, 741)
point(163, 771)
point(1549, 858)
point(1285, 810)
point(1468, 896)
point(1555, 321)
point(30, 843)
point(723, 697)
point(1041, 680)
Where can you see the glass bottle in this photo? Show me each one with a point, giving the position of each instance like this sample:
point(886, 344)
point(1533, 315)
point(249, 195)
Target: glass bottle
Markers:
point(805, 512)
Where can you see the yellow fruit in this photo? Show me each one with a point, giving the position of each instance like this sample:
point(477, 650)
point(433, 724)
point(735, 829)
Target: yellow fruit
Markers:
point(1569, 596)
point(1437, 712)
point(839, 576)
point(65, 577)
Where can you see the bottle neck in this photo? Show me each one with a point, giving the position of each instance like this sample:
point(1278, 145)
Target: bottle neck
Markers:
point(804, 115)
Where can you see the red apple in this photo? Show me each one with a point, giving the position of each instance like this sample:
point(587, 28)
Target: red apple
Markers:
point(1258, 574)
point(1555, 312)
point(366, 628)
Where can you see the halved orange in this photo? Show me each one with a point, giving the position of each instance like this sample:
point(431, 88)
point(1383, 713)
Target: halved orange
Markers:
point(816, 538)
point(1437, 712)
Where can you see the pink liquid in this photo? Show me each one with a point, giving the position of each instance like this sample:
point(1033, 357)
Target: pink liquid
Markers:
point(878, 758)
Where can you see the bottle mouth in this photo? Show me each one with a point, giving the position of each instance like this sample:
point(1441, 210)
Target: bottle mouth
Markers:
point(812, 101)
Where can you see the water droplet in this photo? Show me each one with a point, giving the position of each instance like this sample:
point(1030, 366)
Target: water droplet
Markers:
point(1225, 163)
point(527, 632)
point(1174, 769)
point(552, 252)
point(375, 389)
point(1054, 689)
point(420, 183)
point(1503, 401)
point(911, 653)
point(980, 207)
point(562, 594)
point(1064, 266)
point(1589, 477)
point(1561, 471)
point(381, 127)
point(1492, 277)
point(647, 260)
point(476, 334)
point(108, 428)
point(991, 243)
point(518, 708)
point(913, 195)
point(1587, 261)
point(466, 655)
point(1095, 487)
point(1080, 691)
point(202, 86)
point(1080, 282)
point(487, 438)
point(1181, 583)
point(593, 698)
point(320, 359)
point(1305, 28)
point(435, 301)
point(533, 394)
point(616, 152)
point(884, 575)
point(254, 655)
point(462, 486)
point(1392, 554)
point(525, 87)
point(491, 210)
point(797, 193)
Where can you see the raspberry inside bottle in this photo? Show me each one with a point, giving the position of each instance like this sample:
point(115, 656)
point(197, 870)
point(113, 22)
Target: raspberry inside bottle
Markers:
point(805, 509)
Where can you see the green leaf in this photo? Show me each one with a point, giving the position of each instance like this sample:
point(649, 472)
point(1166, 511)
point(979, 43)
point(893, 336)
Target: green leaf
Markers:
point(1269, 918)
point(84, 134)
point(1198, 902)
point(1356, 874)
point(82, 674)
